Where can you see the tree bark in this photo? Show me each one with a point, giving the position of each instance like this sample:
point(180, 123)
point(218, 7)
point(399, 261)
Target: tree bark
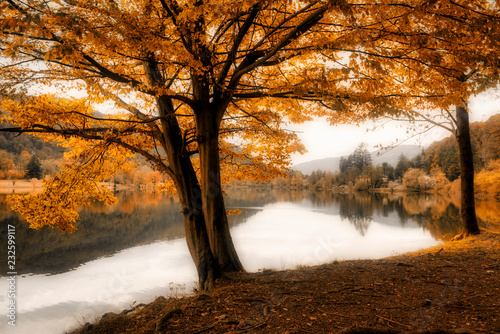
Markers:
point(467, 204)
point(197, 235)
point(188, 189)
point(214, 210)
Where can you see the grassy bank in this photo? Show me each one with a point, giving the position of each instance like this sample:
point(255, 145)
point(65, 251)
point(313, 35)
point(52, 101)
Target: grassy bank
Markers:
point(451, 288)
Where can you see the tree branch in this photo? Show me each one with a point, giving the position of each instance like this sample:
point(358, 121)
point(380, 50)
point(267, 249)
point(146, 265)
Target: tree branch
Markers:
point(258, 57)
point(236, 44)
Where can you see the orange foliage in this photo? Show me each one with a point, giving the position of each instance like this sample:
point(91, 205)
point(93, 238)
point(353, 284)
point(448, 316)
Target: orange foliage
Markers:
point(75, 186)
point(177, 72)
point(439, 179)
point(488, 181)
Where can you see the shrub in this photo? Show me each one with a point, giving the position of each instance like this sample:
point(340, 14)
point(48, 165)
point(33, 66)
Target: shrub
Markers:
point(487, 181)
point(416, 179)
point(362, 185)
point(440, 183)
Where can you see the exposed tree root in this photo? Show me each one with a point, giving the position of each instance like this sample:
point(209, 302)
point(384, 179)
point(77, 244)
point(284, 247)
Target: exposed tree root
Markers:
point(165, 317)
point(464, 234)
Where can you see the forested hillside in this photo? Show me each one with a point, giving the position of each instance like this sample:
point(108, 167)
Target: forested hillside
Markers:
point(16, 151)
point(433, 168)
point(485, 143)
point(16, 144)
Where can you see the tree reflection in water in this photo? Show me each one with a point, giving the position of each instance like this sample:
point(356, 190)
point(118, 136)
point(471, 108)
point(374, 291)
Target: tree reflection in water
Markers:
point(438, 214)
point(143, 218)
point(358, 209)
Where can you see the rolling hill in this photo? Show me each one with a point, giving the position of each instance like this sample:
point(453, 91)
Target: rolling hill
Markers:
point(378, 157)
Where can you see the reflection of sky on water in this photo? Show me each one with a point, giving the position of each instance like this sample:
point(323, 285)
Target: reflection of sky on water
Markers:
point(53, 304)
point(281, 235)
point(285, 235)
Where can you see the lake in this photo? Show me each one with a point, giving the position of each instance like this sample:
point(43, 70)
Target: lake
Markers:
point(133, 251)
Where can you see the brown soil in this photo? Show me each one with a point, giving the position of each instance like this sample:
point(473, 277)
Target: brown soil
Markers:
point(452, 288)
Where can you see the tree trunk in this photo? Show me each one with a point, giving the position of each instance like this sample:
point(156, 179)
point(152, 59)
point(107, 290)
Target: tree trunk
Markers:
point(184, 176)
point(214, 210)
point(467, 204)
point(197, 238)
point(195, 228)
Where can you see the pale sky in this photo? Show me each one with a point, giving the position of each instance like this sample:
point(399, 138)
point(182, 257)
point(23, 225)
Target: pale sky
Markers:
point(324, 141)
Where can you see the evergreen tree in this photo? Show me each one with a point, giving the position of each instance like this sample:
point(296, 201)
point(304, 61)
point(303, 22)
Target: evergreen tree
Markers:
point(34, 168)
point(419, 161)
point(402, 166)
point(361, 157)
point(388, 171)
point(343, 164)
point(358, 160)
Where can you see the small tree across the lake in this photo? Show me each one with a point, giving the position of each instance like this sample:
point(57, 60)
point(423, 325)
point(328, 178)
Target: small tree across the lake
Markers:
point(34, 169)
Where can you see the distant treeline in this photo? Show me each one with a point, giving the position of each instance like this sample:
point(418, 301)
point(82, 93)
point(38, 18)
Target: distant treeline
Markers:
point(485, 144)
point(436, 167)
point(16, 152)
point(25, 156)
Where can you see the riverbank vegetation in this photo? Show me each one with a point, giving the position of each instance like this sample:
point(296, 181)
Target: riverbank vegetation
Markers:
point(28, 158)
point(435, 169)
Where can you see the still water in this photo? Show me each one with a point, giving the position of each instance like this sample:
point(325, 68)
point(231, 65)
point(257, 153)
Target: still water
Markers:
point(134, 251)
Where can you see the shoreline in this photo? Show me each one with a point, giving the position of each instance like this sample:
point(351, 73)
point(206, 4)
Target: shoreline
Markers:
point(15, 187)
point(18, 187)
point(449, 288)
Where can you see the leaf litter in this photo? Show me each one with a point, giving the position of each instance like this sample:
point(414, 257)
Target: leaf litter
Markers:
point(450, 288)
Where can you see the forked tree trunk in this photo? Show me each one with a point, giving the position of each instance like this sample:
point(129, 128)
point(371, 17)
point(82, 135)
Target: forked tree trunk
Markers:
point(189, 192)
point(467, 203)
point(214, 210)
point(197, 238)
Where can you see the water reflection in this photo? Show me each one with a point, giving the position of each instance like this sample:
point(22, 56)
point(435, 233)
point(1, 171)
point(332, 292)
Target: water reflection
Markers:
point(276, 238)
point(134, 251)
point(144, 218)
point(438, 214)
point(102, 231)
point(358, 209)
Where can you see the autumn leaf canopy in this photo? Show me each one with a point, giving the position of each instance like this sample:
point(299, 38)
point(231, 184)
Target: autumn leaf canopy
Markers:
point(170, 72)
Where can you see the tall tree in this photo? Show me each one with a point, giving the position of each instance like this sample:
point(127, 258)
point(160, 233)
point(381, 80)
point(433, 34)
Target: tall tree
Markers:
point(187, 77)
point(357, 160)
point(402, 166)
point(450, 60)
point(419, 160)
point(467, 202)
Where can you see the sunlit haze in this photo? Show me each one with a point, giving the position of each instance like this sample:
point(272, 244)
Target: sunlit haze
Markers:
point(324, 141)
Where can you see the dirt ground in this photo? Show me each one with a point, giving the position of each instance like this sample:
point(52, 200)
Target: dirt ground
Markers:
point(451, 288)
